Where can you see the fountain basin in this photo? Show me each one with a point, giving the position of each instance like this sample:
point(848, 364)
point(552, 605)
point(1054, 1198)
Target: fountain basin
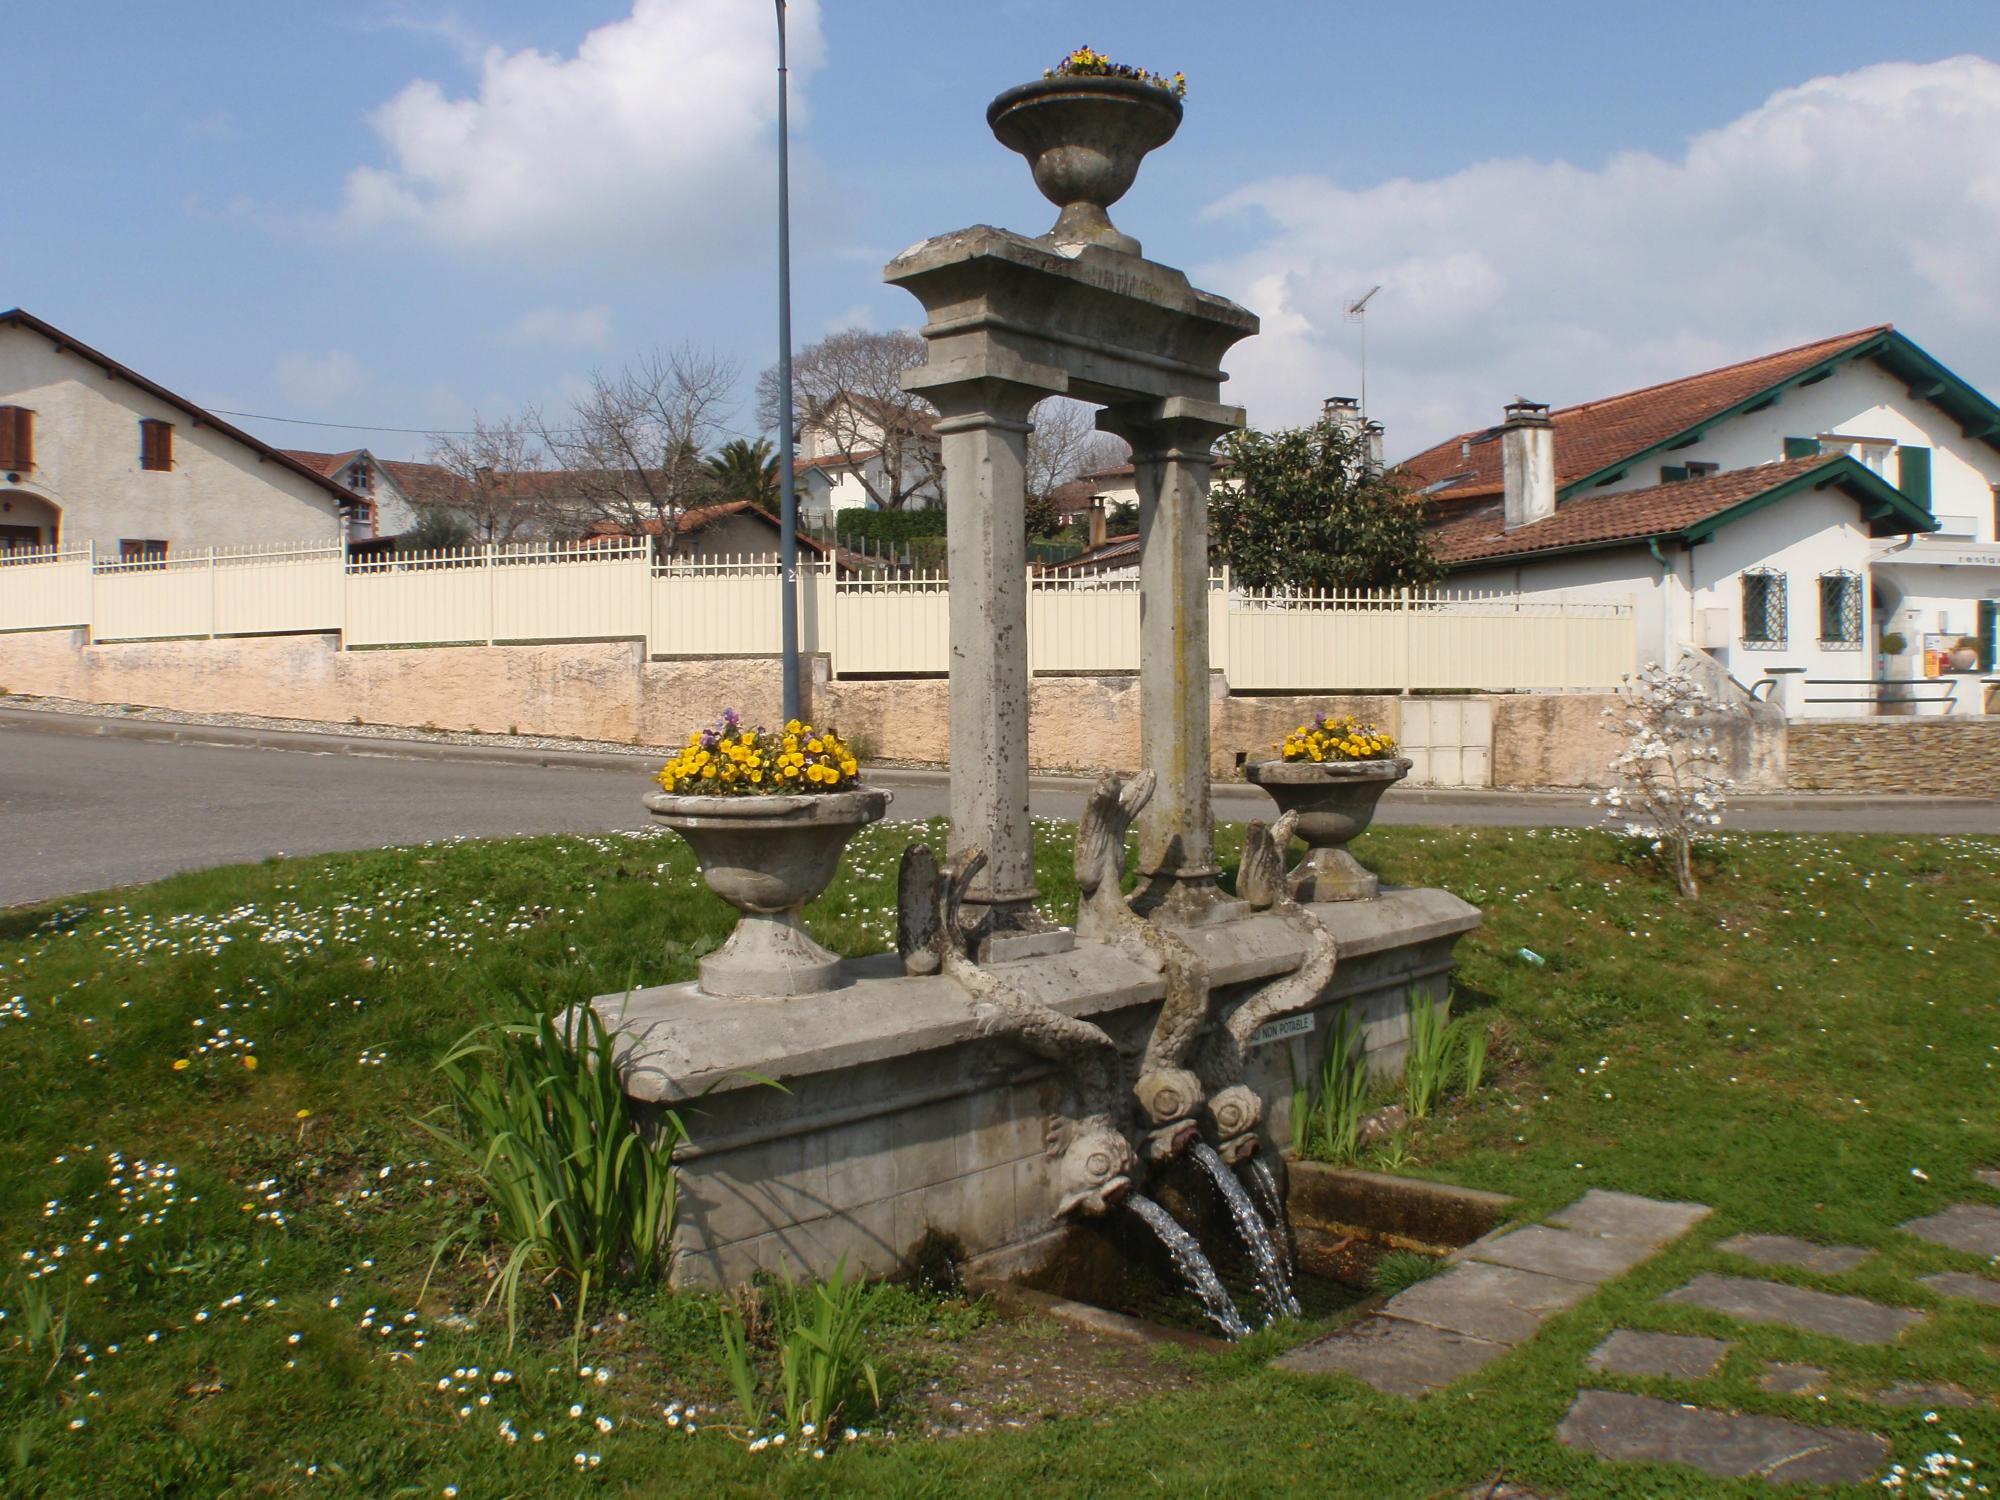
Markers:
point(903, 1121)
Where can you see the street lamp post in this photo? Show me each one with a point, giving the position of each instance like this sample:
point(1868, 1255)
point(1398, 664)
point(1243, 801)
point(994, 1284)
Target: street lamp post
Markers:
point(788, 499)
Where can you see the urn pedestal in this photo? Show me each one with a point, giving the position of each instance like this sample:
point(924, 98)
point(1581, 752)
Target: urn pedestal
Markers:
point(1335, 801)
point(768, 857)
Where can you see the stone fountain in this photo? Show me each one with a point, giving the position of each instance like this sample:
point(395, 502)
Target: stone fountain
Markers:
point(999, 1076)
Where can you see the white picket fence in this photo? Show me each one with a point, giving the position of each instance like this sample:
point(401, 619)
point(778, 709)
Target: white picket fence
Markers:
point(865, 624)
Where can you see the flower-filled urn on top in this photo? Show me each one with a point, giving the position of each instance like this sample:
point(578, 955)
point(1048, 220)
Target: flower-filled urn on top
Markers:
point(1084, 127)
point(1333, 773)
point(767, 813)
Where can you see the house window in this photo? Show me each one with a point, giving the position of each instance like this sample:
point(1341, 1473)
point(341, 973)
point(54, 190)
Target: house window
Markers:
point(1699, 470)
point(362, 521)
point(1763, 608)
point(156, 444)
point(1870, 452)
point(17, 439)
point(152, 553)
point(1840, 610)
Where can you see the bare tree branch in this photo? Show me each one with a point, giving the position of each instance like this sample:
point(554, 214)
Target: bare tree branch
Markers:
point(630, 454)
point(1060, 447)
point(848, 400)
point(488, 480)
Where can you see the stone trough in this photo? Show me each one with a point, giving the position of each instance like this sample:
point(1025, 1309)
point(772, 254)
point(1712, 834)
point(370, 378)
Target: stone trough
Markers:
point(902, 1121)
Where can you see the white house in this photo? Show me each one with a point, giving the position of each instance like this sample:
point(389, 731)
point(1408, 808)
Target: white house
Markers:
point(1785, 516)
point(92, 452)
point(858, 453)
point(388, 492)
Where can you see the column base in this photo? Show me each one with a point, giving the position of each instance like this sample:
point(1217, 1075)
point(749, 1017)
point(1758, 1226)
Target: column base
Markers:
point(1012, 928)
point(1186, 900)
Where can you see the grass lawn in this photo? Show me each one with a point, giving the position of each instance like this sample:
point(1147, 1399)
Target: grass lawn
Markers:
point(1813, 1048)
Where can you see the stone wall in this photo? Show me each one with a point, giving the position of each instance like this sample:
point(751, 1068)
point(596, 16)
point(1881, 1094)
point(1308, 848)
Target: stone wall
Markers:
point(1941, 757)
point(608, 690)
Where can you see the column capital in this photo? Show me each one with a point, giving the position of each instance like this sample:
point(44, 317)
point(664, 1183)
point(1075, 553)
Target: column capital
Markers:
point(1175, 427)
point(991, 387)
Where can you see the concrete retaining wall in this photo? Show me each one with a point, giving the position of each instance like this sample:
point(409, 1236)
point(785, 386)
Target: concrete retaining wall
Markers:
point(1941, 757)
point(609, 690)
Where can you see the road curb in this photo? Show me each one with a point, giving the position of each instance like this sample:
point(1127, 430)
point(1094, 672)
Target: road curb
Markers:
point(319, 742)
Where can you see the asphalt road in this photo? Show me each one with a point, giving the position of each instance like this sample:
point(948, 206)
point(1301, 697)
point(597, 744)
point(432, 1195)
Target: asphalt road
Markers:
point(81, 811)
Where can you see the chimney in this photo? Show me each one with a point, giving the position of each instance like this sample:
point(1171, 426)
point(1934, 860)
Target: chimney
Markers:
point(1374, 431)
point(1528, 462)
point(1099, 521)
point(1343, 411)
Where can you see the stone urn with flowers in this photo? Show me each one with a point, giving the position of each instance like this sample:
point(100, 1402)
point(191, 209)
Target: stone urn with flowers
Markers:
point(1333, 772)
point(767, 813)
point(1084, 126)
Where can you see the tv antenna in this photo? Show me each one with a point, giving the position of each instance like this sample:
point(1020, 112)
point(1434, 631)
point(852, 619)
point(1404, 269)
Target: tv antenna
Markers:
point(1357, 312)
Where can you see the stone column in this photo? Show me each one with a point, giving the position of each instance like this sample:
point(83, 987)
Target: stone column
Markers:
point(984, 430)
point(1171, 458)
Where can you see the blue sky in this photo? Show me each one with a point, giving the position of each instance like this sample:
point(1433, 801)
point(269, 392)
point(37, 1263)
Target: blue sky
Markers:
point(402, 213)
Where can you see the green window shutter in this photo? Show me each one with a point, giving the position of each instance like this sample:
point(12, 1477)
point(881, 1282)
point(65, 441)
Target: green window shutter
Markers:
point(1673, 473)
point(1801, 447)
point(1913, 474)
point(1989, 635)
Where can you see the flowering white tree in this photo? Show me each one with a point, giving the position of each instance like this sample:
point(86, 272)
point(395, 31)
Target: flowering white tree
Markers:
point(1669, 786)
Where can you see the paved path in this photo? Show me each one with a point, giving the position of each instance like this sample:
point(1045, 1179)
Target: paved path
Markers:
point(1505, 1285)
point(88, 803)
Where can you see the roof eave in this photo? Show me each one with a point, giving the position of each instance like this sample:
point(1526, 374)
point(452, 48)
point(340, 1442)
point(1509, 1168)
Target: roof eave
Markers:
point(200, 415)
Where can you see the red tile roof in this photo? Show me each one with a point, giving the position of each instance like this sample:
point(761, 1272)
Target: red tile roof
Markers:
point(1474, 533)
point(689, 521)
point(1117, 552)
point(1598, 434)
point(327, 464)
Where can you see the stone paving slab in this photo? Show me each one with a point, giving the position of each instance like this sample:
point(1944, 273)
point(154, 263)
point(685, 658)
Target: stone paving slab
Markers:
point(1964, 1284)
point(1394, 1355)
point(1615, 1425)
point(1914, 1393)
point(1577, 1255)
point(1989, 1176)
point(1497, 1303)
point(1627, 1216)
point(1448, 1326)
point(1855, 1319)
point(1685, 1356)
point(1971, 1227)
point(1783, 1250)
point(1791, 1380)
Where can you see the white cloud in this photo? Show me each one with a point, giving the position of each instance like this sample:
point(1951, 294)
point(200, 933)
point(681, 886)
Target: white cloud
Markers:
point(318, 382)
point(639, 146)
point(1869, 197)
point(583, 328)
point(860, 316)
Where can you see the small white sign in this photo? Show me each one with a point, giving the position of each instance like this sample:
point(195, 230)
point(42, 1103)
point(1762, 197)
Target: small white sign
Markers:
point(1285, 1026)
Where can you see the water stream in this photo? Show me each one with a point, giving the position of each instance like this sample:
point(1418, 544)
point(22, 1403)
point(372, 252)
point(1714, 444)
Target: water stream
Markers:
point(1273, 1283)
point(1191, 1265)
point(1271, 1202)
